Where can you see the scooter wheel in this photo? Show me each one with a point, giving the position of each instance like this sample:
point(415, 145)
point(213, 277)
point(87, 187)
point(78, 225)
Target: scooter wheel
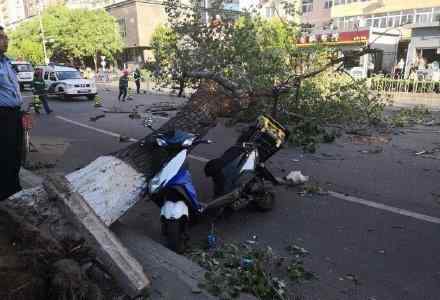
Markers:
point(264, 201)
point(175, 235)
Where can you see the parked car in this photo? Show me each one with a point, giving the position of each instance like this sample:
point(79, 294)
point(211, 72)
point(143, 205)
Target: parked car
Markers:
point(25, 73)
point(67, 82)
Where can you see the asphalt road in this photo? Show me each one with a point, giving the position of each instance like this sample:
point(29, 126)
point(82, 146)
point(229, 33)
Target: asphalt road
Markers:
point(385, 237)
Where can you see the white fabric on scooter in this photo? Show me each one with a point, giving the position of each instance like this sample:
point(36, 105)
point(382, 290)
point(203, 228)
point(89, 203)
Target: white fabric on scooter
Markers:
point(174, 210)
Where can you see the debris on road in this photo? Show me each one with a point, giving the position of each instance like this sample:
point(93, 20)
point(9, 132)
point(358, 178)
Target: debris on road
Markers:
point(375, 150)
point(436, 197)
point(434, 153)
point(410, 116)
point(398, 227)
point(430, 123)
point(134, 115)
point(353, 278)
point(162, 114)
point(312, 189)
point(162, 106)
point(296, 177)
point(124, 139)
point(96, 118)
point(233, 269)
point(370, 140)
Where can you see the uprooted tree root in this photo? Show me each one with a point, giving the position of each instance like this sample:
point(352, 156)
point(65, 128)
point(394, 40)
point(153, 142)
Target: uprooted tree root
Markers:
point(36, 267)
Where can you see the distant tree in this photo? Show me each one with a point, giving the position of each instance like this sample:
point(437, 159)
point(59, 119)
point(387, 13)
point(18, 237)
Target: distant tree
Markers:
point(71, 35)
point(171, 59)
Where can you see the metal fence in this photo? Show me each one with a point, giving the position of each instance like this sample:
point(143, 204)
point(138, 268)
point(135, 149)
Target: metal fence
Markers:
point(390, 85)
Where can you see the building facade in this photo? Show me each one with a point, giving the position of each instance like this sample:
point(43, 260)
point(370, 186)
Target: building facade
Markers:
point(350, 14)
point(400, 31)
point(90, 4)
point(316, 12)
point(137, 21)
point(11, 11)
point(32, 7)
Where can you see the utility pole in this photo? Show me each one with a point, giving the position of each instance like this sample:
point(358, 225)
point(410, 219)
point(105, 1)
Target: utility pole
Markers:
point(40, 8)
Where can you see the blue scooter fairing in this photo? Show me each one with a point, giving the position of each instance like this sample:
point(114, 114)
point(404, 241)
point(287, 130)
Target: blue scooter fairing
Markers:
point(183, 179)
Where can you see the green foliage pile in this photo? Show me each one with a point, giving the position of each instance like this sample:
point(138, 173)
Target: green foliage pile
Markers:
point(241, 268)
point(71, 35)
point(410, 116)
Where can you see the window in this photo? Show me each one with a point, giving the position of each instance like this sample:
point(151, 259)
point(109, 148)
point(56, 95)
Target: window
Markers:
point(24, 68)
point(69, 75)
point(369, 22)
point(342, 2)
point(376, 23)
point(423, 15)
point(352, 60)
point(270, 12)
point(328, 3)
point(52, 76)
point(436, 15)
point(307, 6)
point(122, 27)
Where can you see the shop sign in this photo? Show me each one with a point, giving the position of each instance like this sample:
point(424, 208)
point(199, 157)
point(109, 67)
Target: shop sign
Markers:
point(350, 36)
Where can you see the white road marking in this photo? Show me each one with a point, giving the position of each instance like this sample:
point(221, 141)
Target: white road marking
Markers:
point(93, 128)
point(199, 158)
point(388, 208)
point(336, 195)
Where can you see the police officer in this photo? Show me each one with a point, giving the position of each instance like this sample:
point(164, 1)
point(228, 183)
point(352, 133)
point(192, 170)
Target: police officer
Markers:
point(137, 79)
point(11, 128)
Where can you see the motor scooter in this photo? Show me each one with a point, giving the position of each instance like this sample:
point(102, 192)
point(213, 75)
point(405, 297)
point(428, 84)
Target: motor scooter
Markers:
point(240, 176)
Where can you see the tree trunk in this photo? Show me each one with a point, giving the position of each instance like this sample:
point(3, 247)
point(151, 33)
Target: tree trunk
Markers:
point(95, 61)
point(181, 87)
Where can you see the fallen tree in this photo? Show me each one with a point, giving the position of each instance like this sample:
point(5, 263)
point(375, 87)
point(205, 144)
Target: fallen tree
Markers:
point(112, 184)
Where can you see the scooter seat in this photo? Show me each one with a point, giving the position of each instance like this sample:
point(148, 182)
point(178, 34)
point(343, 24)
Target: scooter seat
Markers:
point(214, 167)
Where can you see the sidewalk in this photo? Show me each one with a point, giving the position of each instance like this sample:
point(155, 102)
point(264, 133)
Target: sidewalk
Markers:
point(432, 101)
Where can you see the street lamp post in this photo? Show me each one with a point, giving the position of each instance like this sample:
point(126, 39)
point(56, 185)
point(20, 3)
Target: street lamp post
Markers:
point(40, 5)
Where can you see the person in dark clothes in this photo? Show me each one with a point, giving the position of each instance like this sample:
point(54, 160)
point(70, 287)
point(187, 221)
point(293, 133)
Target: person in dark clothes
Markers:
point(39, 89)
point(137, 79)
point(123, 86)
point(11, 127)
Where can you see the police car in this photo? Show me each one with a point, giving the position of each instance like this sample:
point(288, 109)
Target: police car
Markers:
point(67, 82)
point(25, 73)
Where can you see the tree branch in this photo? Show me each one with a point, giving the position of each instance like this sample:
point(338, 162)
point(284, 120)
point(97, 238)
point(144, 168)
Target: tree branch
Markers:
point(332, 63)
point(220, 79)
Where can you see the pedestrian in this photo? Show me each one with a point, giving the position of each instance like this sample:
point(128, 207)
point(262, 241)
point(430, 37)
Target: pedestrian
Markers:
point(123, 86)
point(39, 87)
point(11, 127)
point(137, 79)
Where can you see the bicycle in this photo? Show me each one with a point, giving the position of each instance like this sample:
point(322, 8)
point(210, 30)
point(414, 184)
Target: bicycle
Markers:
point(26, 120)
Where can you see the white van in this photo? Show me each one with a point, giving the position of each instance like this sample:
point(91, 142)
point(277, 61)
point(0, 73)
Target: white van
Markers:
point(25, 73)
point(67, 81)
